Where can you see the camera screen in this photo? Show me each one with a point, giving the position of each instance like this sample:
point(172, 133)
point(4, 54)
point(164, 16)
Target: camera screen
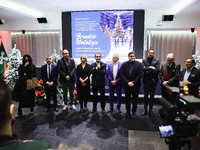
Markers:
point(166, 131)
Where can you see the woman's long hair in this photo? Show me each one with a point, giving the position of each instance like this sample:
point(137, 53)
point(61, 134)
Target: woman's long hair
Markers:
point(30, 66)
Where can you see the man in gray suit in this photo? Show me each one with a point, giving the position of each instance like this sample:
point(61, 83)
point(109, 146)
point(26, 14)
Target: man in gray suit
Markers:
point(66, 68)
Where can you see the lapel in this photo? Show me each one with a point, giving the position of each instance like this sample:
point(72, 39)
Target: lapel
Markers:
point(172, 69)
point(64, 65)
point(111, 68)
point(45, 69)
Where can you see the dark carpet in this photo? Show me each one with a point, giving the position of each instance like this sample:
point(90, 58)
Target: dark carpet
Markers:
point(103, 132)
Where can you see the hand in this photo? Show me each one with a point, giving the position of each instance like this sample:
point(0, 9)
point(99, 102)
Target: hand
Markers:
point(165, 83)
point(26, 64)
point(187, 82)
point(98, 66)
point(68, 78)
point(130, 84)
point(152, 67)
point(113, 82)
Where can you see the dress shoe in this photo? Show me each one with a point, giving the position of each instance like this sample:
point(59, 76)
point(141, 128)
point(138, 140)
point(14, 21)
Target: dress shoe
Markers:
point(127, 115)
point(118, 111)
point(47, 110)
point(81, 110)
point(32, 112)
point(55, 109)
point(93, 111)
point(144, 112)
point(133, 116)
point(19, 116)
point(151, 113)
point(103, 111)
point(85, 107)
point(110, 110)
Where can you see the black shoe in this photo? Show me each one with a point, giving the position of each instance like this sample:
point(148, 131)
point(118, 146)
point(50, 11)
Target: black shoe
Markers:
point(47, 110)
point(18, 116)
point(151, 113)
point(55, 109)
point(144, 112)
point(85, 107)
point(103, 111)
point(110, 110)
point(93, 111)
point(127, 114)
point(133, 116)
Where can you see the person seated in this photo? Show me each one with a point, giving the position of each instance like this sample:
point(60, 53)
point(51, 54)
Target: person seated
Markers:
point(7, 140)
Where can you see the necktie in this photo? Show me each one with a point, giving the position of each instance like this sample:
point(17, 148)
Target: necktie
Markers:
point(49, 71)
point(166, 76)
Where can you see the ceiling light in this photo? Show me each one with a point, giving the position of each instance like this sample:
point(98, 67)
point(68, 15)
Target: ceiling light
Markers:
point(19, 8)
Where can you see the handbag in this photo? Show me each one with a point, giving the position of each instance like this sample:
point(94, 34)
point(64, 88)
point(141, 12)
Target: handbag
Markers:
point(33, 84)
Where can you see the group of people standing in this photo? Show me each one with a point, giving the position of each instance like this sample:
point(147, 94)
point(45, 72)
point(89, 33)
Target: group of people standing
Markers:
point(128, 75)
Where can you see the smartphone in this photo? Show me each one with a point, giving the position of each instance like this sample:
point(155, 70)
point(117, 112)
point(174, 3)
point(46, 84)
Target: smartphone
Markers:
point(166, 131)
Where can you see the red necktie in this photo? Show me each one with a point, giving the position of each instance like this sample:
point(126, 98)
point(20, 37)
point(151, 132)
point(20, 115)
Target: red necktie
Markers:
point(166, 76)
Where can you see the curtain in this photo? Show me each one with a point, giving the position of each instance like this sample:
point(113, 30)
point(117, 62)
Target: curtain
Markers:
point(37, 44)
point(180, 43)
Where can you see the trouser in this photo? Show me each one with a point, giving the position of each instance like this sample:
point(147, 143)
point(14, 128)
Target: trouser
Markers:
point(65, 87)
point(111, 95)
point(102, 96)
point(51, 91)
point(131, 91)
point(149, 88)
point(83, 101)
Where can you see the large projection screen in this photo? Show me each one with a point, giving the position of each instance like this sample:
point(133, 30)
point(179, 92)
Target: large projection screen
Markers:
point(105, 32)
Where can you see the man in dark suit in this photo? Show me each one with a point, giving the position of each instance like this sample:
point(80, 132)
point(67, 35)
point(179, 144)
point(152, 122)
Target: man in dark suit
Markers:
point(169, 73)
point(98, 70)
point(151, 67)
point(66, 68)
point(49, 75)
point(191, 76)
point(114, 82)
point(131, 73)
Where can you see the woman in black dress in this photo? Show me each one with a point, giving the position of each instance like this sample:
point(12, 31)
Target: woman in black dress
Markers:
point(83, 82)
point(26, 98)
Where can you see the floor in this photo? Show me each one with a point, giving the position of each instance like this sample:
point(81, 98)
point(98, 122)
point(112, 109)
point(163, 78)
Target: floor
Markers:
point(110, 131)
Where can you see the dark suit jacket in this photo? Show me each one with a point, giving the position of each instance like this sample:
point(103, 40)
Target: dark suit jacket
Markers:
point(136, 73)
point(53, 75)
point(173, 73)
point(194, 78)
point(150, 74)
point(98, 74)
point(109, 73)
point(65, 70)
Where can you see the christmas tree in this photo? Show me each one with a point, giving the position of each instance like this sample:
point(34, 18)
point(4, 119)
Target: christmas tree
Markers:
point(15, 60)
point(55, 57)
point(118, 31)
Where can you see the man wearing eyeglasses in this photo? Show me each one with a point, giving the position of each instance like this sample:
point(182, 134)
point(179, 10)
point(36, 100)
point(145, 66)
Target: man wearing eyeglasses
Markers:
point(98, 70)
point(131, 73)
point(190, 76)
point(151, 67)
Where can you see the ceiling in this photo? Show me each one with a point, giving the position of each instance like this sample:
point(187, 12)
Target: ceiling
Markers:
point(57, 6)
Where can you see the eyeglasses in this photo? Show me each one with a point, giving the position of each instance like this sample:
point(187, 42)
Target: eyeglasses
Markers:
point(97, 56)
